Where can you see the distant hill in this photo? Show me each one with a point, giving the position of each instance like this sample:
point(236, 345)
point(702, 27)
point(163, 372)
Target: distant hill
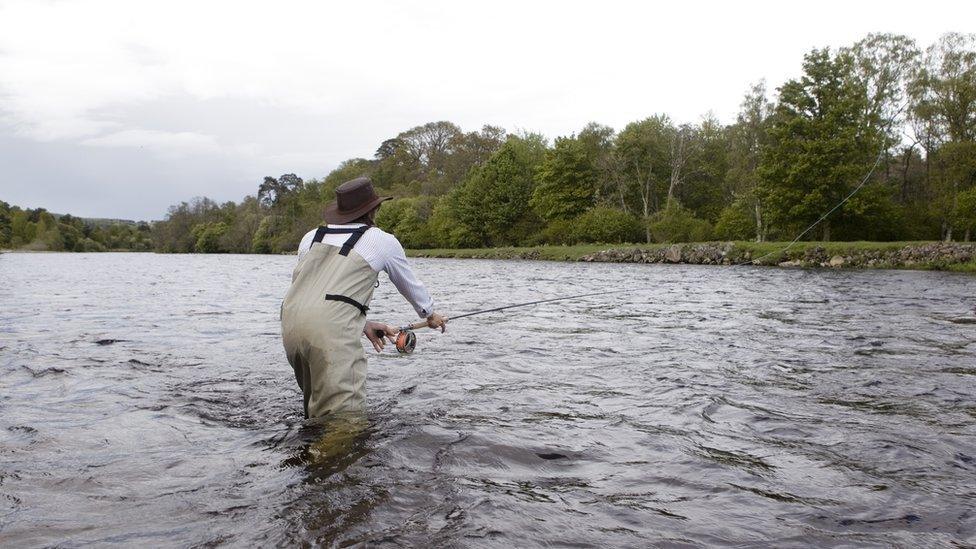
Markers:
point(100, 221)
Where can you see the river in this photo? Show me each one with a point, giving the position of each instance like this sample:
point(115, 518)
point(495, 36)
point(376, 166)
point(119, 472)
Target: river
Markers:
point(145, 400)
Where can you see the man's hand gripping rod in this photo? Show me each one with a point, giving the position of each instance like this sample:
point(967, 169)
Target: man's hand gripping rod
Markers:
point(406, 340)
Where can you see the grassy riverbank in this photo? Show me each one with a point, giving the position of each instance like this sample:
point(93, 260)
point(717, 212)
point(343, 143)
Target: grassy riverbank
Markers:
point(550, 253)
point(880, 255)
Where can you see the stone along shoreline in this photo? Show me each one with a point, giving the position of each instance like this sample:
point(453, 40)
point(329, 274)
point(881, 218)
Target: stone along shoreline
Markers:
point(873, 255)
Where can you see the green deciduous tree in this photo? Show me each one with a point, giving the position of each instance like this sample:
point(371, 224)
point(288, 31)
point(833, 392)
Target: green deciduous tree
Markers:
point(5, 229)
point(747, 139)
point(493, 201)
point(737, 221)
point(407, 218)
point(944, 87)
point(702, 176)
point(822, 144)
point(598, 141)
point(566, 182)
point(642, 165)
point(209, 236)
point(954, 175)
point(346, 171)
point(943, 93)
point(964, 213)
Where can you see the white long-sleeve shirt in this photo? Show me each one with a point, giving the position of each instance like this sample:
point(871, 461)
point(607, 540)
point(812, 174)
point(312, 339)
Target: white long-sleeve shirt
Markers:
point(384, 253)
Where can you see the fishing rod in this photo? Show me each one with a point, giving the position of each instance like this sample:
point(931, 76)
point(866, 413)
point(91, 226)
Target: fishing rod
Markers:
point(406, 339)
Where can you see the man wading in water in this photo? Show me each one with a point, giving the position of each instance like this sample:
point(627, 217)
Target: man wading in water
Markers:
point(324, 313)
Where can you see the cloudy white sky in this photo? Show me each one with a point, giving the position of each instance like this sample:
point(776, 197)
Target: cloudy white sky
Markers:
point(121, 108)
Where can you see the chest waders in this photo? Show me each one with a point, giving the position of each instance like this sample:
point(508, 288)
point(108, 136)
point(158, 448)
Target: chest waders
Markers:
point(322, 319)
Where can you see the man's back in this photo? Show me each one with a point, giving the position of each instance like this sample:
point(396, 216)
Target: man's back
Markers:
point(384, 253)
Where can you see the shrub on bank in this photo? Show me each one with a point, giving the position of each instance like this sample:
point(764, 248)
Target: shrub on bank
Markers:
point(603, 224)
point(736, 222)
point(597, 225)
point(89, 245)
point(557, 231)
point(964, 215)
point(675, 223)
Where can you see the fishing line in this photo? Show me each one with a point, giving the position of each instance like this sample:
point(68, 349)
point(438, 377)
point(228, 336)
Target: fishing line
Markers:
point(824, 216)
point(877, 162)
point(406, 339)
point(527, 303)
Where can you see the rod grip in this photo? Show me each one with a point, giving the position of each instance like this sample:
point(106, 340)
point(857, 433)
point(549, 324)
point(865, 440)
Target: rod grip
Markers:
point(421, 324)
point(418, 325)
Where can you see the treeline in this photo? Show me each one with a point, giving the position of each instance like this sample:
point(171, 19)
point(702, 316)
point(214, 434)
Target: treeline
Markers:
point(40, 230)
point(884, 103)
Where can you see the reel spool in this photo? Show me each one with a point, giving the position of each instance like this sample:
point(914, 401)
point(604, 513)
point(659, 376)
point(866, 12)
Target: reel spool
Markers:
point(406, 342)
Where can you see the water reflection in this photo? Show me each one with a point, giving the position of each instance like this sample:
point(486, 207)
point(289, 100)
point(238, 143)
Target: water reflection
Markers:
point(330, 444)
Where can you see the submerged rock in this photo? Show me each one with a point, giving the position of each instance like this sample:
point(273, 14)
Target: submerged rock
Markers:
point(963, 320)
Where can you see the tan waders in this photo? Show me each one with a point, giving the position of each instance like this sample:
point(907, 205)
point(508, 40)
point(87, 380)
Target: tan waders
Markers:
point(322, 320)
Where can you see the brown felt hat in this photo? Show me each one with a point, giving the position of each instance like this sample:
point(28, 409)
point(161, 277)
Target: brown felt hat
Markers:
point(353, 200)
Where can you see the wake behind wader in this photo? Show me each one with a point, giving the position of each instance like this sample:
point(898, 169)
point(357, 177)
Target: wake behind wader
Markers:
point(322, 319)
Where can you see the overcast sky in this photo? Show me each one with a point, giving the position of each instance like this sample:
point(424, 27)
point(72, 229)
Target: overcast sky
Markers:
point(122, 108)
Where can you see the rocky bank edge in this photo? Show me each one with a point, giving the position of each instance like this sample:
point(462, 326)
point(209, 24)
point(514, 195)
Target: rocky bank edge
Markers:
point(934, 255)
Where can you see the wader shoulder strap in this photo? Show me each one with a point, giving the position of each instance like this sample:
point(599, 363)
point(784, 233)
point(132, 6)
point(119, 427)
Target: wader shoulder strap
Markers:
point(353, 239)
point(320, 234)
point(333, 297)
point(354, 236)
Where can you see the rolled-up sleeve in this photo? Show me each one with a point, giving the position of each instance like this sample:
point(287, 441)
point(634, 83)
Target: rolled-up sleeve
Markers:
point(403, 277)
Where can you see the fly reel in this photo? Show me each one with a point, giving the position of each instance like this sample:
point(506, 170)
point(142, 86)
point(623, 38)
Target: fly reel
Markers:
point(406, 342)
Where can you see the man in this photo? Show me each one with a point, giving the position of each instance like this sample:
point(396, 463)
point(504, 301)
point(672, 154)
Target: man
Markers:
point(324, 312)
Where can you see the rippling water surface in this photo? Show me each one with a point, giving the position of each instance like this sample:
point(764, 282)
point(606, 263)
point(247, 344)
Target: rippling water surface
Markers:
point(145, 399)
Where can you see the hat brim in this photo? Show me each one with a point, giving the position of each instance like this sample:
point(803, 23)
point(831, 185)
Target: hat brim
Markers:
point(334, 216)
